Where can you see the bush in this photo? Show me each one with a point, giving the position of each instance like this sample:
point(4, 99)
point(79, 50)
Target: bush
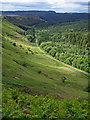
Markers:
point(14, 44)
point(20, 45)
point(26, 52)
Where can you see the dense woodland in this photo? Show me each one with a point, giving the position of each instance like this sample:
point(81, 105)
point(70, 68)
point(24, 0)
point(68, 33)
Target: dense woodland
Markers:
point(67, 42)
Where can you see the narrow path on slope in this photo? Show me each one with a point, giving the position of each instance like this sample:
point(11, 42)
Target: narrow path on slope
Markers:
point(58, 61)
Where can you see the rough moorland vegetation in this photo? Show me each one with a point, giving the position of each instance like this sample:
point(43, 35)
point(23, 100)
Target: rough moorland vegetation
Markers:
point(18, 105)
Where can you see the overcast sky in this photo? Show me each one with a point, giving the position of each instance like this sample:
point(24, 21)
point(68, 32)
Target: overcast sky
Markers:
point(56, 5)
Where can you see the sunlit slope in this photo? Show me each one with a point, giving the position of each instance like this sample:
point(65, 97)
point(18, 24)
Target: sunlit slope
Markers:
point(24, 66)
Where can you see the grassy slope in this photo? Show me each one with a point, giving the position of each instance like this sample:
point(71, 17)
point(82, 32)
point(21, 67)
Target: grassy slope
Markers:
point(35, 71)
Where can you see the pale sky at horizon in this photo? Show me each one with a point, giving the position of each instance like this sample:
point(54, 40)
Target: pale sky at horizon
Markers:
point(55, 5)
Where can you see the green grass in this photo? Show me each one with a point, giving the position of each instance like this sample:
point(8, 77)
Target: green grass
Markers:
point(35, 71)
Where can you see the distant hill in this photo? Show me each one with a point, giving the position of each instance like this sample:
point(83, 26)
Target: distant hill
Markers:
point(27, 12)
point(49, 16)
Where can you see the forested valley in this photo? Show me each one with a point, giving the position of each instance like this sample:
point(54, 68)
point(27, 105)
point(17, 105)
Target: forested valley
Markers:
point(67, 42)
point(35, 83)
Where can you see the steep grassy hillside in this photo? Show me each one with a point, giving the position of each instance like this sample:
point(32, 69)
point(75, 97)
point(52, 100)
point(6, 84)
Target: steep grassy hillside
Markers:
point(25, 67)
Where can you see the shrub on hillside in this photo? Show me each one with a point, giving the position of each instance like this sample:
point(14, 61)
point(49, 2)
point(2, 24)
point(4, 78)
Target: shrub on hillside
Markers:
point(20, 45)
point(14, 44)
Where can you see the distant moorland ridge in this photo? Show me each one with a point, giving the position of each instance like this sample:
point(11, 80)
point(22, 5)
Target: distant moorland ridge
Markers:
point(50, 15)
